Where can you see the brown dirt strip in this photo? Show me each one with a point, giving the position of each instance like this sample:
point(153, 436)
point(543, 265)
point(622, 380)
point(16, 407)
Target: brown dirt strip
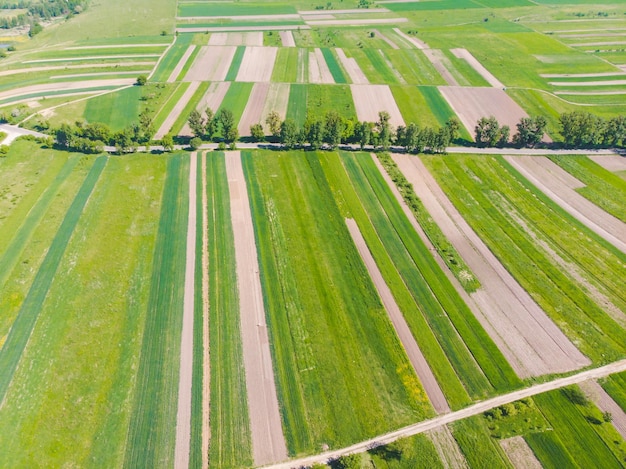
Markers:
point(594, 44)
point(581, 75)
point(268, 442)
point(212, 99)
point(64, 86)
point(224, 29)
point(578, 36)
point(419, 363)
point(369, 100)
point(252, 18)
point(183, 416)
point(93, 57)
point(413, 40)
point(253, 38)
point(206, 356)
point(613, 163)
point(352, 68)
point(116, 46)
point(17, 71)
point(472, 103)
point(476, 65)
point(447, 448)
point(318, 68)
point(529, 340)
point(605, 403)
point(181, 63)
point(519, 453)
point(590, 93)
point(211, 63)
point(588, 83)
point(392, 44)
point(257, 64)
point(551, 179)
point(277, 100)
point(253, 112)
point(356, 22)
point(178, 109)
point(441, 64)
point(101, 74)
point(287, 39)
point(445, 419)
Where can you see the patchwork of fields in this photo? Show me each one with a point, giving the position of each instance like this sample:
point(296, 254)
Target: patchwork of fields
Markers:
point(340, 298)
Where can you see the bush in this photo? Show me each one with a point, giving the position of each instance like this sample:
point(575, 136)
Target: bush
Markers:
point(195, 143)
point(142, 80)
point(4, 150)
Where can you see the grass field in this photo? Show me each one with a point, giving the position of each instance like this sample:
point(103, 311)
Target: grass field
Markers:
point(190, 106)
point(322, 308)
point(297, 106)
point(171, 59)
point(153, 418)
point(117, 110)
point(414, 107)
point(333, 65)
point(414, 67)
point(286, 66)
point(529, 234)
point(236, 98)
point(230, 441)
point(226, 9)
point(549, 450)
point(324, 98)
point(615, 385)
point(477, 445)
point(235, 64)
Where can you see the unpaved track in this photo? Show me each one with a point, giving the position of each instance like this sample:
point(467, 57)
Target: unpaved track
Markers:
point(352, 67)
point(613, 163)
point(64, 86)
point(183, 416)
point(527, 337)
point(519, 453)
point(287, 39)
point(476, 65)
point(441, 64)
point(369, 100)
point(181, 63)
point(447, 448)
point(253, 112)
point(420, 365)
point(552, 180)
point(206, 356)
point(257, 64)
point(178, 109)
point(413, 40)
point(392, 44)
point(211, 63)
point(605, 403)
point(268, 442)
point(318, 68)
point(445, 419)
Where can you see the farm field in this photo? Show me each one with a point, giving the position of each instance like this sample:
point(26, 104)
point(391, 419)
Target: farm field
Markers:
point(426, 311)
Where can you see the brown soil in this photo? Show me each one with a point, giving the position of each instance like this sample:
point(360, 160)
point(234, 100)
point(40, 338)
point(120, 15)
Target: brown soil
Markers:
point(520, 454)
point(352, 68)
point(253, 112)
point(212, 99)
point(318, 68)
point(605, 403)
point(369, 100)
point(178, 108)
point(206, 357)
point(392, 44)
point(257, 64)
point(476, 65)
point(613, 163)
point(441, 64)
point(287, 39)
point(181, 63)
point(448, 449)
point(64, 86)
point(211, 63)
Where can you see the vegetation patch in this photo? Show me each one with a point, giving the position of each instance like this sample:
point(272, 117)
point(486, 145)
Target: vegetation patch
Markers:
point(235, 64)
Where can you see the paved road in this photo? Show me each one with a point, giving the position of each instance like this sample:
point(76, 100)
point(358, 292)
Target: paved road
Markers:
point(445, 419)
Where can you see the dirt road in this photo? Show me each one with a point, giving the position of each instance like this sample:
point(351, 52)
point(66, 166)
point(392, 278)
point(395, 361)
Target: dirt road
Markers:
point(268, 442)
point(420, 365)
point(183, 416)
point(445, 419)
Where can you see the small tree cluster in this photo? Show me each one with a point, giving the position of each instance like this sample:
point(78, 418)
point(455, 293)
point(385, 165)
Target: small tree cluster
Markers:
point(211, 125)
point(583, 130)
point(488, 132)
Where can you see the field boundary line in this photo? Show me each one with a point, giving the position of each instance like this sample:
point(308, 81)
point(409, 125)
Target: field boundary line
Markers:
point(446, 419)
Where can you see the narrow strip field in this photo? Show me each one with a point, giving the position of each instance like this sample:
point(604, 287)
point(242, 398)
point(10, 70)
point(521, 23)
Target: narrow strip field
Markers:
point(277, 100)
point(211, 63)
point(526, 336)
point(605, 403)
point(318, 68)
point(268, 442)
point(352, 68)
point(257, 64)
point(181, 64)
point(177, 111)
point(70, 86)
point(476, 65)
point(369, 100)
point(253, 38)
point(253, 113)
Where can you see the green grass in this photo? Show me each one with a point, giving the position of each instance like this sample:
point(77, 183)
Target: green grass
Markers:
point(549, 450)
point(169, 105)
point(351, 207)
point(433, 5)
point(190, 106)
point(615, 385)
point(510, 215)
point(481, 366)
point(416, 452)
point(384, 72)
point(477, 445)
point(89, 330)
point(151, 434)
point(236, 98)
point(235, 64)
point(297, 106)
point(602, 187)
point(233, 9)
point(169, 62)
point(26, 319)
point(327, 328)
point(272, 39)
point(333, 65)
point(414, 67)
point(230, 431)
point(286, 66)
point(414, 106)
point(117, 110)
point(324, 98)
point(440, 108)
point(468, 76)
point(579, 436)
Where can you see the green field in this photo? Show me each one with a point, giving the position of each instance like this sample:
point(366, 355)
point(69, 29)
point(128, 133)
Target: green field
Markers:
point(615, 385)
point(171, 59)
point(413, 103)
point(236, 98)
point(480, 449)
point(324, 98)
point(333, 65)
point(235, 64)
point(117, 110)
point(297, 106)
point(414, 67)
point(286, 66)
point(319, 312)
point(227, 9)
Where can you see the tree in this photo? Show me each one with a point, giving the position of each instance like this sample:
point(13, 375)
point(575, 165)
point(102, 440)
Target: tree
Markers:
point(582, 129)
point(227, 122)
point(363, 133)
point(145, 129)
point(167, 142)
point(530, 131)
point(289, 133)
point(487, 132)
point(210, 123)
point(196, 123)
point(441, 140)
point(142, 80)
point(401, 137)
point(505, 132)
point(384, 130)
point(123, 141)
point(454, 128)
point(615, 131)
point(333, 129)
point(412, 136)
point(257, 133)
point(65, 136)
point(273, 122)
point(314, 132)
point(195, 143)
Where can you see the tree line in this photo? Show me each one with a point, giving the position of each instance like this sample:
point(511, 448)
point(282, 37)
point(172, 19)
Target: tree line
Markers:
point(40, 10)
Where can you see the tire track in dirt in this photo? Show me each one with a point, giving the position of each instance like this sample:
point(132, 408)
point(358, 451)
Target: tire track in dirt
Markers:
point(268, 442)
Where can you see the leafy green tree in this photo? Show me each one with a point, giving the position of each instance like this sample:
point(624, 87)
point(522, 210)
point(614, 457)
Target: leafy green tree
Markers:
point(167, 142)
point(210, 123)
point(289, 133)
point(65, 136)
point(487, 132)
point(454, 128)
point(273, 123)
point(412, 137)
point(383, 127)
point(530, 131)
point(314, 133)
point(196, 123)
point(227, 121)
point(333, 129)
point(195, 143)
point(505, 132)
point(363, 133)
point(615, 131)
point(142, 80)
point(257, 133)
point(582, 129)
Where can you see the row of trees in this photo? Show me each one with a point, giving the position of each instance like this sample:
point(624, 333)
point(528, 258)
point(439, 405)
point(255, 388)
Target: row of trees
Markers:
point(40, 10)
point(211, 125)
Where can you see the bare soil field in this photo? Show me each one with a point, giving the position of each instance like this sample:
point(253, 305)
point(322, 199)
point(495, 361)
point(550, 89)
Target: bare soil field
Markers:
point(257, 64)
point(470, 104)
point(369, 100)
point(287, 39)
point(557, 184)
point(357, 22)
point(212, 99)
point(268, 442)
point(447, 448)
point(441, 64)
point(605, 403)
point(277, 100)
point(181, 63)
point(319, 72)
point(17, 71)
point(519, 453)
point(392, 44)
point(64, 86)
point(183, 415)
point(352, 68)
point(613, 163)
point(234, 29)
point(413, 40)
point(253, 112)
point(527, 337)
point(476, 65)
point(178, 109)
point(211, 63)
point(254, 38)
point(420, 365)
point(588, 83)
point(594, 44)
point(94, 57)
